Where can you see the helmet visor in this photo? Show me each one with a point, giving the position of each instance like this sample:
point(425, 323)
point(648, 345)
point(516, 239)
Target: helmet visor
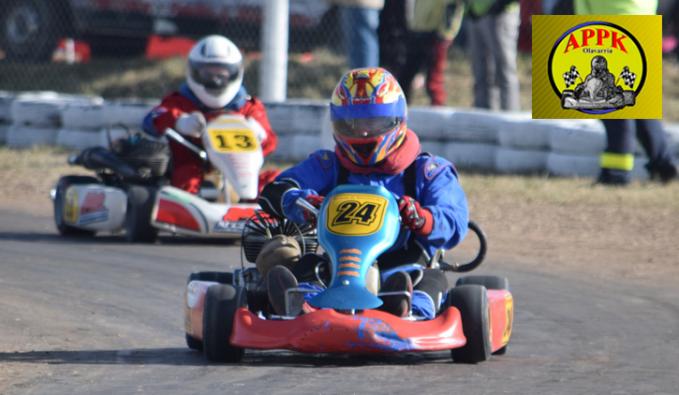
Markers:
point(365, 127)
point(214, 76)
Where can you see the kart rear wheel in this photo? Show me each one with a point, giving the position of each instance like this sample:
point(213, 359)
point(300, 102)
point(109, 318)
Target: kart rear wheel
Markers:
point(490, 282)
point(60, 193)
point(138, 228)
point(472, 301)
point(221, 303)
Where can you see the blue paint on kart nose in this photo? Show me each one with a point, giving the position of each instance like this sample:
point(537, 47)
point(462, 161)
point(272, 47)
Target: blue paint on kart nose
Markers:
point(356, 224)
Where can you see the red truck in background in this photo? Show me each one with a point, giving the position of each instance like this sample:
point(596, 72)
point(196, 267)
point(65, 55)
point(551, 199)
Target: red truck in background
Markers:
point(30, 30)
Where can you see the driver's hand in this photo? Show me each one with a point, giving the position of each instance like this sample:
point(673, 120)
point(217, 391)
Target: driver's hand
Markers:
point(415, 217)
point(295, 213)
point(191, 125)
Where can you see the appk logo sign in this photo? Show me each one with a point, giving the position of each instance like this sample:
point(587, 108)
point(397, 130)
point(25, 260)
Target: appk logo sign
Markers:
point(597, 66)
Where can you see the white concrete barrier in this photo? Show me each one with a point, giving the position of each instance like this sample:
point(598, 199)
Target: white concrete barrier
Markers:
point(579, 137)
point(525, 133)
point(6, 99)
point(474, 156)
point(510, 160)
point(130, 114)
point(435, 148)
point(297, 116)
point(472, 139)
point(431, 123)
point(78, 139)
point(43, 109)
point(3, 132)
point(29, 136)
point(83, 116)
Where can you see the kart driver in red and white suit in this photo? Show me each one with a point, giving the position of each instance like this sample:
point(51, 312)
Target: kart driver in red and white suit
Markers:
point(214, 87)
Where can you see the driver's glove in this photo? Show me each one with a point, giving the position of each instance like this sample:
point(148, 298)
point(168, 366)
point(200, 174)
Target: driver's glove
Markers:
point(295, 213)
point(191, 125)
point(415, 217)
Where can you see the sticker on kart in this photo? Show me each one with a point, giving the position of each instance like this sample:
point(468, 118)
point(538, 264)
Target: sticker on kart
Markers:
point(233, 140)
point(90, 210)
point(356, 214)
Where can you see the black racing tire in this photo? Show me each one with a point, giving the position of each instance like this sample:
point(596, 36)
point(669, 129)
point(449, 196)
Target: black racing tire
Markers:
point(58, 204)
point(221, 303)
point(116, 47)
point(490, 282)
point(472, 302)
point(31, 29)
point(138, 228)
point(219, 277)
point(193, 343)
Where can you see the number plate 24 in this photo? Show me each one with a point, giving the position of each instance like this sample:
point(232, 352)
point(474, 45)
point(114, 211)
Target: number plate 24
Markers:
point(355, 214)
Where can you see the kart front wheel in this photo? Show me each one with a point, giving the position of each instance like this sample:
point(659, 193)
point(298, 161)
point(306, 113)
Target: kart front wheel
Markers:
point(59, 201)
point(219, 277)
point(138, 228)
point(490, 282)
point(221, 303)
point(472, 302)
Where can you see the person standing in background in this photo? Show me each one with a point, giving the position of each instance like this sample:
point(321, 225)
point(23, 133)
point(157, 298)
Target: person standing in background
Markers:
point(393, 36)
point(617, 160)
point(432, 25)
point(359, 20)
point(493, 34)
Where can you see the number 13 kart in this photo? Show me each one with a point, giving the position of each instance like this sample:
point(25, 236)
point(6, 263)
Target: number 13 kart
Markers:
point(127, 196)
point(356, 223)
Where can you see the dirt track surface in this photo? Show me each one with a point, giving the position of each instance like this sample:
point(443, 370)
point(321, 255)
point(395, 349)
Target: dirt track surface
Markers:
point(102, 317)
point(594, 273)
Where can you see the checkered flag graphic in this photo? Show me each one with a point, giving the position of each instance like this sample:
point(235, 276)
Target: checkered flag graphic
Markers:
point(628, 77)
point(570, 76)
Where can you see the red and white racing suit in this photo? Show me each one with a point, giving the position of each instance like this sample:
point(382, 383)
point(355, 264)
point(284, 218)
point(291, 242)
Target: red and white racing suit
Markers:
point(187, 169)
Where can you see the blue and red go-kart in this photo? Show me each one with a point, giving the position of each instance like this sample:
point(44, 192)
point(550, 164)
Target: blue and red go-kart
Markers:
point(356, 223)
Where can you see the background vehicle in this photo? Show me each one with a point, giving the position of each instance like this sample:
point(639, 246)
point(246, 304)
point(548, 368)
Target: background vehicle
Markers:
point(31, 29)
point(132, 194)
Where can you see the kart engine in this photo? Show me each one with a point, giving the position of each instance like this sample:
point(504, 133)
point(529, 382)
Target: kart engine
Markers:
point(262, 227)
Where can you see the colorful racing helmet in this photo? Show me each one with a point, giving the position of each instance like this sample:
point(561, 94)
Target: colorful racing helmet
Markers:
point(368, 112)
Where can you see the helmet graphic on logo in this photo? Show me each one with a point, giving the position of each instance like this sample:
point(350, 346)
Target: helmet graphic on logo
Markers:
point(215, 71)
point(368, 112)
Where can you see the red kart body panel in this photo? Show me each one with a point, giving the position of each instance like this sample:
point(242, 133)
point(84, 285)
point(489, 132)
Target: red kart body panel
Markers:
point(372, 331)
point(328, 331)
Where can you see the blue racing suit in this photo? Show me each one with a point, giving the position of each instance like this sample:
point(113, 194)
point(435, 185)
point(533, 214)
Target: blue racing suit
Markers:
point(436, 189)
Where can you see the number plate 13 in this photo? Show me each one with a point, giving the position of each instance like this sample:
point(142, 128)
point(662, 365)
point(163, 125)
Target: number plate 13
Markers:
point(233, 140)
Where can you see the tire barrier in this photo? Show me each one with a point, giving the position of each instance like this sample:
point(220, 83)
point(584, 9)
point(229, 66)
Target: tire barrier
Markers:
point(480, 140)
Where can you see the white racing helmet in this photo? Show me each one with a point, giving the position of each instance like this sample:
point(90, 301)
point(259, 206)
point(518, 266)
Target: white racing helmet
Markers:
point(215, 71)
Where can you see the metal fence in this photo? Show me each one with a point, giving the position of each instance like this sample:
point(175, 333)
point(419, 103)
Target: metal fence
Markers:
point(137, 47)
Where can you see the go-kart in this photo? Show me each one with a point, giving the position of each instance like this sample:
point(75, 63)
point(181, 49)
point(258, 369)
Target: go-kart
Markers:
point(355, 224)
point(130, 190)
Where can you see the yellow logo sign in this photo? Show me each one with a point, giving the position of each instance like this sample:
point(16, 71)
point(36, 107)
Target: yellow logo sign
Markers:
point(597, 66)
point(233, 140)
point(355, 214)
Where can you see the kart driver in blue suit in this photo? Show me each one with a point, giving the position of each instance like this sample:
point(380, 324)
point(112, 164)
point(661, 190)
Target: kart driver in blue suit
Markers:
point(374, 146)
